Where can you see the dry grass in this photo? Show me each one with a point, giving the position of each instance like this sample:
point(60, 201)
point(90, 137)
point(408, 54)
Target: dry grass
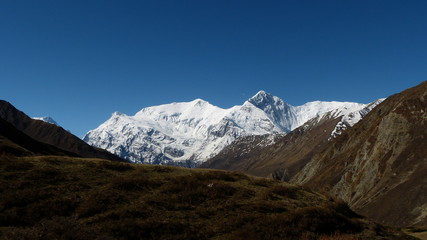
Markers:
point(67, 198)
point(339, 237)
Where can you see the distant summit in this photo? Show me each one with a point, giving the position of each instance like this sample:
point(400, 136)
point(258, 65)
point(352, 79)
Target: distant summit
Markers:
point(46, 119)
point(277, 109)
point(261, 97)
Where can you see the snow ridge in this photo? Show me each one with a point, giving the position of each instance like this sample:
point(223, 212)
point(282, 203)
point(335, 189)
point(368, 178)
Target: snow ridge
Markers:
point(350, 118)
point(188, 133)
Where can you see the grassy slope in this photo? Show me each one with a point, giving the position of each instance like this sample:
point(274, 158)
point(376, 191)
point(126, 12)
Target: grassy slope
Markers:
point(69, 198)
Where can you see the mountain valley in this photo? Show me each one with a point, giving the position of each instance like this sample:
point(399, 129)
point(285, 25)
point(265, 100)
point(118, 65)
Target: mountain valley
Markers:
point(369, 156)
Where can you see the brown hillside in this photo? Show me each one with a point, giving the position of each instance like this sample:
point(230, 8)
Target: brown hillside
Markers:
point(51, 134)
point(380, 165)
point(65, 198)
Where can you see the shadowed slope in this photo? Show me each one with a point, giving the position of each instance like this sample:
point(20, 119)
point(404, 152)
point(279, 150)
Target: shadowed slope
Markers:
point(16, 143)
point(51, 134)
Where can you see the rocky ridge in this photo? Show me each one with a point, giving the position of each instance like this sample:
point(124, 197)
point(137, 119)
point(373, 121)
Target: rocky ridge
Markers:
point(379, 166)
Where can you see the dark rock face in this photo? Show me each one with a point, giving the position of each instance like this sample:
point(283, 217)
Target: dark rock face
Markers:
point(51, 134)
point(174, 152)
point(380, 165)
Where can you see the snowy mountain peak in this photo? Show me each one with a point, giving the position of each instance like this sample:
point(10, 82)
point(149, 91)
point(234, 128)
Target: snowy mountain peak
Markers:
point(263, 99)
point(261, 95)
point(46, 119)
point(118, 114)
point(276, 109)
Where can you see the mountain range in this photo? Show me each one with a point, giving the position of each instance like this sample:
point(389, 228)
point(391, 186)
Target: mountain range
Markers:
point(189, 133)
point(50, 193)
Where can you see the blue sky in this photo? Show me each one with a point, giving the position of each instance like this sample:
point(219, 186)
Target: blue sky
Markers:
point(79, 61)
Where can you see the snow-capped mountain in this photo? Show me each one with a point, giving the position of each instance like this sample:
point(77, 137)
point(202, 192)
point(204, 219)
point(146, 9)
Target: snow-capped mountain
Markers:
point(189, 133)
point(46, 119)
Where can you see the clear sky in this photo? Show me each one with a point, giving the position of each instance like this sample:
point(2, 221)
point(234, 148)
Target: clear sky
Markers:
point(79, 61)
